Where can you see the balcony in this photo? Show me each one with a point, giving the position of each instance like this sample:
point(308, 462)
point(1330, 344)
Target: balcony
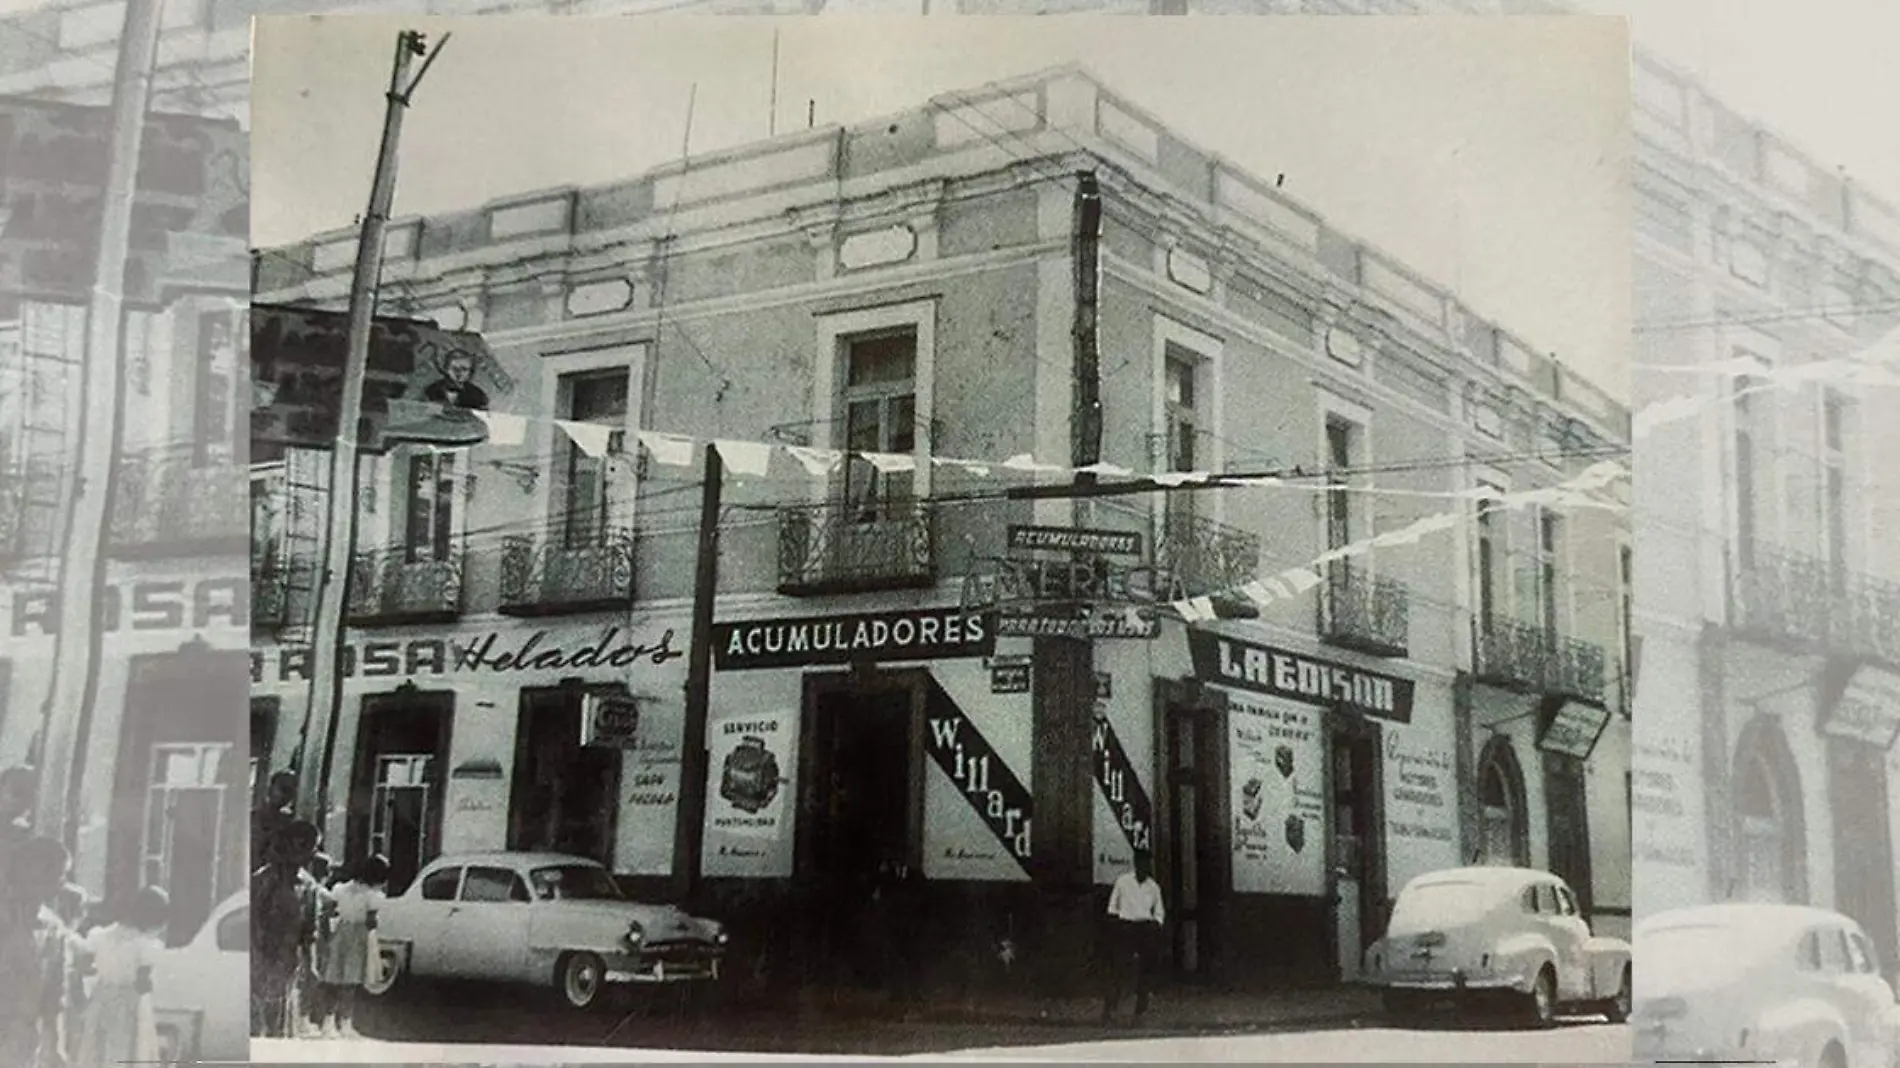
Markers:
point(830, 548)
point(1203, 556)
point(172, 502)
point(1526, 658)
point(541, 576)
point(1805, 603)
point(1365, 612)
point(389, 586)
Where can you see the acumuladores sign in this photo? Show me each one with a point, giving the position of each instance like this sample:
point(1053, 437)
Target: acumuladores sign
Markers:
point(927, 634)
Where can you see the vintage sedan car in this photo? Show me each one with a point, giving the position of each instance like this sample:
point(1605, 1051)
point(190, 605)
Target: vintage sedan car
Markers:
point(201, 991)
point(1762, 982)
point(1497, 933)
point(538, 918)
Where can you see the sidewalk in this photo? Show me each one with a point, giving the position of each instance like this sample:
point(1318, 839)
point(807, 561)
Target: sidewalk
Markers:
point(1181, 1010)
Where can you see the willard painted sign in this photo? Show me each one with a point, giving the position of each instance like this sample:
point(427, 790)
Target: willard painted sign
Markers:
point(978, 772)
point(1115, 777)
point(928, 634)
point(1279, 673)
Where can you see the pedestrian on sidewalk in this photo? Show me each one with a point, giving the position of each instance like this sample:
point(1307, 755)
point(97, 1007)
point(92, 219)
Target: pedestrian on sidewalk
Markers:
point(1135, 921)
point(351, 951)
point(279, 898)
point(307, 1008)
point(35, 955)
point(118, 1025)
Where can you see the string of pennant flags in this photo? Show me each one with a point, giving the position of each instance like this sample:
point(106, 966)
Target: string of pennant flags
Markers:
point(753, 458)
point(1871, 366)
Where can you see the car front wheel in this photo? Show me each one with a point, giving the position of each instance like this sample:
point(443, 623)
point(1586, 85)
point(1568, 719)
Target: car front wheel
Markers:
point(388, 971)
point(581, 978)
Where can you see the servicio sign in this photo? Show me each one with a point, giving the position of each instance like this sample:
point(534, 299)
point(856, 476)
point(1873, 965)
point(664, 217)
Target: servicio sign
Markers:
point(1280, 673)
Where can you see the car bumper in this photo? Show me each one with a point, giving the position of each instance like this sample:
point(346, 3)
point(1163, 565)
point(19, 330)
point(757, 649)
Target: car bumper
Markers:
point(662, 965)
point(1445, 982)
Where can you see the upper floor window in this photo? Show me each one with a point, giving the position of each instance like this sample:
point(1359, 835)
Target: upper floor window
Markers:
point(429, 531)
point(267, 526)
point(1180, 408)
point(1342, 439)
point(880, 415)
point(1549, 570)
point(1491, 552)
point(586, 481)
point(1836, 413)
point(1751, 449)
point(218, 407)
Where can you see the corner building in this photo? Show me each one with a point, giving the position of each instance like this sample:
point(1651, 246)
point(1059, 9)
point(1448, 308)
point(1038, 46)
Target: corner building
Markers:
point(910, 288)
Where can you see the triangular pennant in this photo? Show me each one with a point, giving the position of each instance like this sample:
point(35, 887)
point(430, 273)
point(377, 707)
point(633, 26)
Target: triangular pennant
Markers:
point(817, 462)
point(668, 449)
point(745, 457)
point(891, 462)
point(590, 438)
point(1299, 579)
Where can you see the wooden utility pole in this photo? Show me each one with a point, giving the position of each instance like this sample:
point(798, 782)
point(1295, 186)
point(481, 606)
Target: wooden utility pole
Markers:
point(66, 723)
point(338, 545)
point(689, 837)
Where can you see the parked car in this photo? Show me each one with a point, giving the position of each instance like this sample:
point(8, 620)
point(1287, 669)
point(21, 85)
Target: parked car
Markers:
point(1761, 982)
point(1495, 932)
point(201, 991)
point(539, 918)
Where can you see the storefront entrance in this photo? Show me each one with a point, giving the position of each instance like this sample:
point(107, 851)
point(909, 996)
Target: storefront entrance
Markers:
point(396, 792)
point(1569, 825)
point(860, 807)
point(1358, 862)
point(1192, 873)
point(179, 788)
point(1863, 851)
point(564, 797)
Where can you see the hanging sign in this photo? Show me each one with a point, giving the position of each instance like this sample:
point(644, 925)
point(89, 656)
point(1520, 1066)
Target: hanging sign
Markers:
point(927, 634)
point(611, 720)
point(1080, 621)
point(1573, 729)
point(1066, 539)
point(1276, 775)
point(1009, 676)
point(1868, 709)
point(1309, 680)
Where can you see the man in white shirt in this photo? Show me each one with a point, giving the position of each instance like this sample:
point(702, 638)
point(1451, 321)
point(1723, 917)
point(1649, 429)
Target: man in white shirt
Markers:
point(1135, 918)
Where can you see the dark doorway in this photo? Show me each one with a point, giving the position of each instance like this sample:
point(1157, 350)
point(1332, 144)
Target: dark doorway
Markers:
point(1358, 890)
point(1192, 878)
point(565, 795)
point(861, 807)
point(179, 787)
point(1566, 799)
point(396, 794)
point(1863, 854)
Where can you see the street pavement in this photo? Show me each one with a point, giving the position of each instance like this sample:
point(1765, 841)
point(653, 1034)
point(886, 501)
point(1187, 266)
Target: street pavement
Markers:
point(462, 1022)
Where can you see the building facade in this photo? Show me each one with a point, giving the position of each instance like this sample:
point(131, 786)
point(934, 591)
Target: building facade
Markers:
point(152, 764)
point(876, 320)
point(1767, 590)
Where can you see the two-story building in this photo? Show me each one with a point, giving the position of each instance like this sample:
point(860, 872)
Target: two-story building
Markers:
point(872, 322)
point(154, 764)
point(1767, 594)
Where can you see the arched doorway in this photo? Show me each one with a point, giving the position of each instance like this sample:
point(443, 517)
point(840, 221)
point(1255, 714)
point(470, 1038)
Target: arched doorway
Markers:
point(1768, 825)
point(1504, 823)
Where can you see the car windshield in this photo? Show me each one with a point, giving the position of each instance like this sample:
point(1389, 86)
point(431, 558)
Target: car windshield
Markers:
point(1441, 903)
point(574, 882)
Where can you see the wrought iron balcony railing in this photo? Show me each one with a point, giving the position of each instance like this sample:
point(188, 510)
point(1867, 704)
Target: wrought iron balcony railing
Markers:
point(1520, 656)
point(1789, 598)
point(174, 501)
point(1203, 556)
point(833, 548)
point(542, 576)
point(1369, 613)
point(401, 585)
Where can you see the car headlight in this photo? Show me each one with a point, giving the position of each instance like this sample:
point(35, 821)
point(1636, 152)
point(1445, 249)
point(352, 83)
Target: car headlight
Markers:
point(635, 933)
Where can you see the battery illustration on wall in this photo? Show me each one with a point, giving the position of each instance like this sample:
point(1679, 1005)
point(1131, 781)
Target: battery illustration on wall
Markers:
point(1279, 815)
point(750, 782)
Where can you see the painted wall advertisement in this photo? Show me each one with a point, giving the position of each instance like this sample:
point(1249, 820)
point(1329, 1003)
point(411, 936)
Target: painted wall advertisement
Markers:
point(1276, 778)
point(1669, 865)
point(1421, 808)
point(749, 794)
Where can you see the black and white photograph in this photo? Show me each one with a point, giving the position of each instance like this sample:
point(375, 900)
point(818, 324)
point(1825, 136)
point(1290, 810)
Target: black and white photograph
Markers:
point(1108, 538)
point(1070, 536)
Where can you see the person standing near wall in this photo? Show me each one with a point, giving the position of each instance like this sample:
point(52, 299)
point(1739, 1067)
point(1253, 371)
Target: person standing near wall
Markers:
point(1135, 918)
